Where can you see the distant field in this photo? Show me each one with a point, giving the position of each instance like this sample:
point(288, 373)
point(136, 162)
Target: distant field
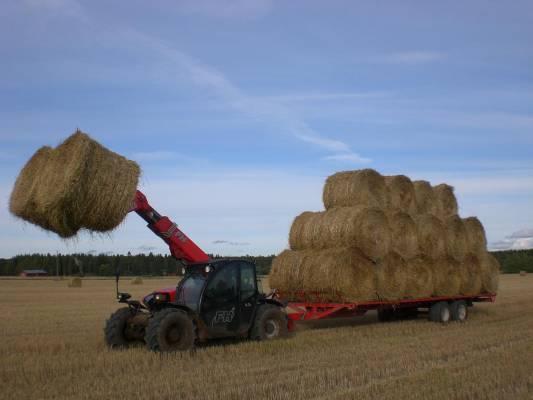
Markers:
point(52, 347)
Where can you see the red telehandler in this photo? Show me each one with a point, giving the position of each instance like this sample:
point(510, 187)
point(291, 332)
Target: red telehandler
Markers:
point(221, 298)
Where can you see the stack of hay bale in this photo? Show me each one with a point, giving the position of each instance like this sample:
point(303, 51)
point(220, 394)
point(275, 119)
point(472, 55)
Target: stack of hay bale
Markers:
point(384, 237)
point(79, 184)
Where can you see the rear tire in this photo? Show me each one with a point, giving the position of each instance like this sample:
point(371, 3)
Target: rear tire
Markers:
point(440, 312)
point(170, 330)
point(459, 311)
point(115, 329)
point(270, 323)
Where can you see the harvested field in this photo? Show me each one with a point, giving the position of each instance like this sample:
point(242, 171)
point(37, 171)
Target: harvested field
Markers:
point(52, 348)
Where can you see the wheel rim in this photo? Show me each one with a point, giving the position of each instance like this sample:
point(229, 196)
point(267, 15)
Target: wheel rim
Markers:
point(461, 312)
point(271, 328)
point(445, 314)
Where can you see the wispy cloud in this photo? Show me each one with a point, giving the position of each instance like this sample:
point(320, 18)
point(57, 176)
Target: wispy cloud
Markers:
point(519, 240)
point(230, 243)
point(412, 57)
point(146, 247)
point(522, 234)
point(349, 157)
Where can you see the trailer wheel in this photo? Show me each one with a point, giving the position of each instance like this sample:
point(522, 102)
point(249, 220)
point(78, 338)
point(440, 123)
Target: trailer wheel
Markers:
point(115, 330)
point(440, 312)
point(270, 323)
point(170, 330)
point(459, 311)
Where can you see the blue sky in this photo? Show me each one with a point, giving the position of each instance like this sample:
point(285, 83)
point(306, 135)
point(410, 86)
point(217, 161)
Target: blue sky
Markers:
point(237, 110)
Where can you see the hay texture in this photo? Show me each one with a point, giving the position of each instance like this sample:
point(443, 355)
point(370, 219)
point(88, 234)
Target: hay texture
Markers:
point(490, 272)
point(419, 277)
point(137, 281)
point(446, 203)
point(74, 282)
point(425, 197)
point(404, 235)
point(80, 184)
point(431, 235)
point(391, 277)
point(447, 278)
point(473, 283)
point(366, 228)
point(337, 274)
point(456, 237)
point(400, 194)
point(475, 235)
point(364, 187)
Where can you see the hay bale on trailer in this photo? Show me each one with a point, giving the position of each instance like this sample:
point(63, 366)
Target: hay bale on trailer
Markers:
point(425, 197)
point(456, 237)
point(75, 282)
point(400, 194)
point(391, 277)
point(475, 235)
point(366, 228)
point(431, 235)
point(364, 187)
point(419, 272)
point(473, 283)
point(337, 274)
point(446, 203)
point(447, 280)
point(404, 236)
point(490, 272)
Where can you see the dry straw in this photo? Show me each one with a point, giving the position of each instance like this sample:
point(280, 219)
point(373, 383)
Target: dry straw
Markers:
point(447, 278)
point(391, 277)
point(446, 203)
point(425, 197)
point(404, 237)
point(419, 271)
point(400, 193)
point(456, 237)
point(337, 274)
point(364, 187)
point(431, 235)
point(473, 284)
point(475, 235)
point(362, 227)
point(490, 272)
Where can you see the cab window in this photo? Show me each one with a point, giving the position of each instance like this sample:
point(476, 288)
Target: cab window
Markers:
point(248, 285)
point(223, 286)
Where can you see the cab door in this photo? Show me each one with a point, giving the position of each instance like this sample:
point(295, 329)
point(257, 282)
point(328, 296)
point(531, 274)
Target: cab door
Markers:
point(248, 295)
point(220, 304)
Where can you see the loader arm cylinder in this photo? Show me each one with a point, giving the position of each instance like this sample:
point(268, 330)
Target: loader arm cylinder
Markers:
point(181, 246)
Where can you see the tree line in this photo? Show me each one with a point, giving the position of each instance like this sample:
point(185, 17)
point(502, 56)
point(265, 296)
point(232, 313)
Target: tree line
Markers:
point(512, 261)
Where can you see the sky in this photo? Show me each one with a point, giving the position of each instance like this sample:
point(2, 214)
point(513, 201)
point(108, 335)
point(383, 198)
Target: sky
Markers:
point(237, 110)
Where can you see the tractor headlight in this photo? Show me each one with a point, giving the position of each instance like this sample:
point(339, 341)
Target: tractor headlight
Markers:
point(161, 297)
point(207, 269)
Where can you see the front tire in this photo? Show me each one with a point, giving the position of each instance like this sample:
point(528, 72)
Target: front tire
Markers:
point(270, 323)
point(170, 330)
point(115, 330)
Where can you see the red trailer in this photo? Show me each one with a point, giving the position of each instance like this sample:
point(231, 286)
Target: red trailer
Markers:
point(439, 309)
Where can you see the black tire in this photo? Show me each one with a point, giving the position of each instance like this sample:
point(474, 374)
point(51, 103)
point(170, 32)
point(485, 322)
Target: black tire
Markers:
point(459, 311)
point(170, 330)
point(440, 312)
point(270, 323)
point(386, 314)
point(115, 329)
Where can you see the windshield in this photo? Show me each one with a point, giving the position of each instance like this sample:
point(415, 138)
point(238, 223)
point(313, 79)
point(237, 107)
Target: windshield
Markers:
point(190, 290)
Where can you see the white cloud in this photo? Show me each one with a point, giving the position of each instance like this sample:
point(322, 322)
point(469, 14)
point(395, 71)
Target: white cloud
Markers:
point(349, 157)
point(522, 234)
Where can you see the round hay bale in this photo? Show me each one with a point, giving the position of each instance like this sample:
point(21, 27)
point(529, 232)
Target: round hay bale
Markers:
point(473, 284)
point(391, 277)
point(490, 272)
point(22, 202)
point(456, 237)
point(137, 281)
point(74, 282)
point(523, 273)
point(338, 274)
point(426, 201)
point(475, 235)
point(447, 277)
point(366, 228)
point(400, 194)
point(404, 236)
point(419, 271)
point(364, 187)
point(445, 200)
point(431, 235)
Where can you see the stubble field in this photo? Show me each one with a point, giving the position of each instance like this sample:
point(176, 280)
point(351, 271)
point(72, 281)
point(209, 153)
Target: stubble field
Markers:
point(52, 347)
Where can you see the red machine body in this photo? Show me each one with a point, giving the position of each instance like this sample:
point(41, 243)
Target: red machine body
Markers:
point(181, 246)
